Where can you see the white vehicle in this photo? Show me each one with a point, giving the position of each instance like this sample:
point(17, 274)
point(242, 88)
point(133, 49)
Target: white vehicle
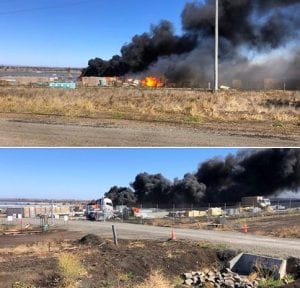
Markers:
point(100, 209)
point(279, 207)
point(256, 201)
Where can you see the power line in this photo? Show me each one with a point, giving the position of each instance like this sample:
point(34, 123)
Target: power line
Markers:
point(42, 8)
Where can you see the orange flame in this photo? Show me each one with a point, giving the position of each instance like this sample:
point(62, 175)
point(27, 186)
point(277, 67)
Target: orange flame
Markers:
point(151, 81)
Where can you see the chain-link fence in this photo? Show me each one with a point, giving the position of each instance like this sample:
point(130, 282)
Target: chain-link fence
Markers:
point(213, 212)
point(31, 223)
point(165, 215)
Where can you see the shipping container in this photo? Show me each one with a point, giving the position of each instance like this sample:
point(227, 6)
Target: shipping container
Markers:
point(215, 211)
point(64, 85)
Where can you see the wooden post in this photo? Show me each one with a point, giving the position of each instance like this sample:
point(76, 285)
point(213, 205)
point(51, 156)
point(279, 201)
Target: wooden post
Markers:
point(115, 235)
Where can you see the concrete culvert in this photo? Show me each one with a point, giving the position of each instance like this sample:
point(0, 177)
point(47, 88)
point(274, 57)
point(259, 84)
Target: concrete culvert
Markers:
point(246, 263)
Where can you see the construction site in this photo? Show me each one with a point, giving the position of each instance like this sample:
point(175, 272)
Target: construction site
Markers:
point(72, 80)
point(121, 246)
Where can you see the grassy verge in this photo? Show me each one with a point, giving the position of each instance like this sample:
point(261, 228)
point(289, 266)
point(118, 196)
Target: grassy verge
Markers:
point(287, 232)
point(157, 104)
point(271, 282)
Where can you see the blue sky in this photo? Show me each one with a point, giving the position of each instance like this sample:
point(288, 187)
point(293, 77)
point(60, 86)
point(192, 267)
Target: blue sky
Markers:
point(70, 32)
point(88, 173)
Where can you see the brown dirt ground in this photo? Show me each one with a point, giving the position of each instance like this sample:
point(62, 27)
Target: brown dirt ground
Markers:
point(7, 241)
point(27, 258)
point(107, 265)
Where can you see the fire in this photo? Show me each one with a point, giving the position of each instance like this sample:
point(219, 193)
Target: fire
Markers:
point(151, 81)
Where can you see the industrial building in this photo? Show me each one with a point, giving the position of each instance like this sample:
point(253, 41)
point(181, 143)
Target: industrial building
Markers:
point(99, 81)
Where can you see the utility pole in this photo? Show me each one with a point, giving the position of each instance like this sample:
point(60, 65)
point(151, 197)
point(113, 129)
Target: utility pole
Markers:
point(217, 47)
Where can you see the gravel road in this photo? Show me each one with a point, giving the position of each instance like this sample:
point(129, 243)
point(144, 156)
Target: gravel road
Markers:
point(23, 130)
point(246, 242)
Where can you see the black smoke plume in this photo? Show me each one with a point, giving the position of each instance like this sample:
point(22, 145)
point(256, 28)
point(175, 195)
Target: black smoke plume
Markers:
point(264, 172)
point(187, 190)
point(143, 50)
point(121, 196)
point(152, 188)
point(255, 23)
point(247, 27)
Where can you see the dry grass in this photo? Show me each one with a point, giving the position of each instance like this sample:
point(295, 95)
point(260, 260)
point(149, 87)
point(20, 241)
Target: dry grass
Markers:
point(70, 269)
point(136, 244)
point(155, 280)
point(287, 232)
point(156, 104)
point(38, 249)
point(22, 285)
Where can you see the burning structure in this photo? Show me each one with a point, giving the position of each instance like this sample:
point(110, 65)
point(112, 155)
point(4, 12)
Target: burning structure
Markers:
point(264, 172)
point(267, 29)
point(152, 81)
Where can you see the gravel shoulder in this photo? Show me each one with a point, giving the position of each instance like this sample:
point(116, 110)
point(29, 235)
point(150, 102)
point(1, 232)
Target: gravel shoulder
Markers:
point(56, 131)
point(246, 242)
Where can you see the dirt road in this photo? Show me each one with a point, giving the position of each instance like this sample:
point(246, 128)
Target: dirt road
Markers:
point(45, 131)
point(246, 242)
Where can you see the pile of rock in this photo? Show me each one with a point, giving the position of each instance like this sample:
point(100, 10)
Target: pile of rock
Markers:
point(217, 279)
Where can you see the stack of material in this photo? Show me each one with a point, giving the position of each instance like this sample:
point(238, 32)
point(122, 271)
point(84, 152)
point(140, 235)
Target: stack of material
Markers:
point(40, 210)
point(217, 279)
point(29, 212)
point(90, 81)
point(107, 81)
point(195, 213)
point(61, 210)
point(215, 211)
